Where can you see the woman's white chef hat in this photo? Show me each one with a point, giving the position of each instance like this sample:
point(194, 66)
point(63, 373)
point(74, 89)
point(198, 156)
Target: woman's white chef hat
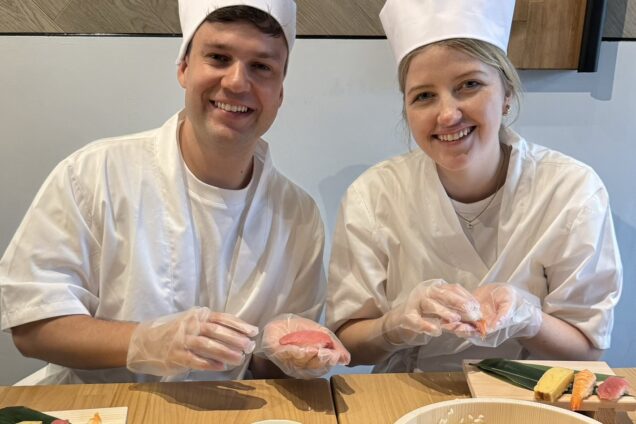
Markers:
point(193, 12)
point(409, 24)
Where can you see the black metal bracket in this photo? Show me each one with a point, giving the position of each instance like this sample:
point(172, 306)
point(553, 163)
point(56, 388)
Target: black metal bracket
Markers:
point(592, 33)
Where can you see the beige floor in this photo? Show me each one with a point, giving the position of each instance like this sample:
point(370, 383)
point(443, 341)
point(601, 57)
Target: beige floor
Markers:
point(315, 17)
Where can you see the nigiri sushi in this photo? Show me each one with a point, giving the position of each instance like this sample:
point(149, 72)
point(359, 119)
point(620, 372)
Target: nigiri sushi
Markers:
point(553, 383)
point(582, 387)
point(612, 388)
point(307, 338)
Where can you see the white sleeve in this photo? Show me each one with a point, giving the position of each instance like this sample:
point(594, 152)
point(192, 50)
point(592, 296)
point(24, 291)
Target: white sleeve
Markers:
point(358, 266)
point(46, 270)
point(308, 295)
point(585, 282)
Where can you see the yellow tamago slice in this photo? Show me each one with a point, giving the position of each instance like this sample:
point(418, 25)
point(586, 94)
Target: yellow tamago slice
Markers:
point(553, 383)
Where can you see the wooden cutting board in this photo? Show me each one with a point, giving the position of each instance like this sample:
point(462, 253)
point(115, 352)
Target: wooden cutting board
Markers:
point(116, 415)
point(486, 385)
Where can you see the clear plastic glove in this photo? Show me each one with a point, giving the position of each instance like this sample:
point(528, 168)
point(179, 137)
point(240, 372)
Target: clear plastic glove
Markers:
point(302, 348)
point(508, 312)
point(431, 307)
point(197, 339)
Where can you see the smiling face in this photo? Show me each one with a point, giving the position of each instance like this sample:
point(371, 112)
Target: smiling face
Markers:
point(233, 81)
point(454, 105)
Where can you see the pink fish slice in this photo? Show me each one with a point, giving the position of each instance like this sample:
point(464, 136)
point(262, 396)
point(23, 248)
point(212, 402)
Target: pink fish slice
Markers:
point(307, 338)
point(612, 388)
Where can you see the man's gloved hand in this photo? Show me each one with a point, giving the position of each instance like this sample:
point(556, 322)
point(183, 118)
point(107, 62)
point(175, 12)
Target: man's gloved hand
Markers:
point(197, 339)
point(508, 312)
point(302, 348)
point(432, 306)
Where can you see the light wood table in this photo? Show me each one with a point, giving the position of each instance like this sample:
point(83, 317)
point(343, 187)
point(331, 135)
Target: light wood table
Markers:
point(306, 401)
point(383, 398)
point(630, 375)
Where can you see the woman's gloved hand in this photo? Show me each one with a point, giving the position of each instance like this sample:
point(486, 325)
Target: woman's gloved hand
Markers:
point(431, 307)
point(302, 348)
point(197, 339)
point(508, 312)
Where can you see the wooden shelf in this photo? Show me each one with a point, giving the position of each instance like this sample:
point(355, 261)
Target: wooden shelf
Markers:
point(546, 34)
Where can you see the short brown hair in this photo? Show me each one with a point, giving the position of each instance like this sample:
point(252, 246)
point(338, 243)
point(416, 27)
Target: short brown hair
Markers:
point(263, 21)
point(260, 19)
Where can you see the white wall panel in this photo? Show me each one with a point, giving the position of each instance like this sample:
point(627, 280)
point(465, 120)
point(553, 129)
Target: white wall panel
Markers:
point(341, 114)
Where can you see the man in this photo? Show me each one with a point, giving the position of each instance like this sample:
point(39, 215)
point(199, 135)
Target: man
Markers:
point(160, 254)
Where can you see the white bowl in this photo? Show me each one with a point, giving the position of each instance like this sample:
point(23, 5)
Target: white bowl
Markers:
point(492, 411)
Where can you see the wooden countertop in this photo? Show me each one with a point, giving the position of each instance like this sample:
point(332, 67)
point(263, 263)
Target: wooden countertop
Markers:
point(630, 375)
point(358, 398)
point(383, 398)
point(306, 401)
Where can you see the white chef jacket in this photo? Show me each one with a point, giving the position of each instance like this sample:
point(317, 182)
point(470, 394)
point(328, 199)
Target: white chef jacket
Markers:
point(110, 234)
point(397, 227)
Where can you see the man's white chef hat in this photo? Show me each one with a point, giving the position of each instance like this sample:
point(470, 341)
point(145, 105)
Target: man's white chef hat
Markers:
point(409, 24)
point(193, 12)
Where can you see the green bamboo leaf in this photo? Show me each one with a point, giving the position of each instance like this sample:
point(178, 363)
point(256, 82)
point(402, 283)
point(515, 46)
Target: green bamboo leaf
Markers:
point(599, 377)
point(511, 371)
point(523, 375)
point(515, 379)
point(15, 414)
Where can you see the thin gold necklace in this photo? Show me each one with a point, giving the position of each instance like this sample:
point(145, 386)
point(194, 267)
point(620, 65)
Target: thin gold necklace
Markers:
point(469, 222)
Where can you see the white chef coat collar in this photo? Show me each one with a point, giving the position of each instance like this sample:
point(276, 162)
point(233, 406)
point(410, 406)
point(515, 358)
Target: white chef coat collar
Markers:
point(169, 153)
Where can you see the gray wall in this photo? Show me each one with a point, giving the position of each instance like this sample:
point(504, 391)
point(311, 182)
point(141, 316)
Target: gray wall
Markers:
point(341, 114)
point(620, 21)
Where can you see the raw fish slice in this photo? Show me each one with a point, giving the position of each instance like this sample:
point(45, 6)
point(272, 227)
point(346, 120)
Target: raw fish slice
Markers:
point(307, 338)
point(582, 387)
point(480, 325)
point(612, 388)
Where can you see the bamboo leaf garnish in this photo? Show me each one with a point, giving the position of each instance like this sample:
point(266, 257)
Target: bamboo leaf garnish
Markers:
point(521, 375)
point(14, 414)
point(511, 371)
point(599, 377)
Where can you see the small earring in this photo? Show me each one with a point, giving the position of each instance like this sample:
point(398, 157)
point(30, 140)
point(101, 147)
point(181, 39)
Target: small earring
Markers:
point(506, 110)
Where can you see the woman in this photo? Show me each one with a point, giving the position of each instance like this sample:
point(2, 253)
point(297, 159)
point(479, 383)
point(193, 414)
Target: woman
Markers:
point(478, 244)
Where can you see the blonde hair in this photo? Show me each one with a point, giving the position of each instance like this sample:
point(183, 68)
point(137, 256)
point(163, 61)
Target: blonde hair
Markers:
point(484, 52)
